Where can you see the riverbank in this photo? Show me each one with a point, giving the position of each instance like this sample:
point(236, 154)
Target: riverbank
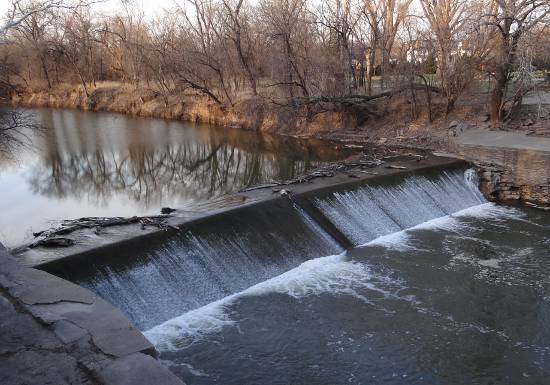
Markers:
point(55, 332)
point(380, 119)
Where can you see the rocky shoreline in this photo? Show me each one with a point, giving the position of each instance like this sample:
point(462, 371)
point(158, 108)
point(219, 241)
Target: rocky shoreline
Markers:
point(56, 332)
point(500, 184)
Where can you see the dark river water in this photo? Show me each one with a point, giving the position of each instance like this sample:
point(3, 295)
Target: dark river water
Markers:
point(464, 299)
point(103, 164)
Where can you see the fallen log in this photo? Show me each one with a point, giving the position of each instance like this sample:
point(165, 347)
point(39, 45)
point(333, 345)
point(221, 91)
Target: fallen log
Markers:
point(396, 167)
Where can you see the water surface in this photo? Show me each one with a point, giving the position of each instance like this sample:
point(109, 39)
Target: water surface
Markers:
point(464, 299)
point(442, 288)
point(104, 164)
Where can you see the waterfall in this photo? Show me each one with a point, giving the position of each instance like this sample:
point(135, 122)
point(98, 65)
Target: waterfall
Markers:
point(371, 211)
point(209, 261)
point(218, 257)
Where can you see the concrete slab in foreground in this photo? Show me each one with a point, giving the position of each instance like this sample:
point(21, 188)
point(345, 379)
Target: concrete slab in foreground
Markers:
point(55, 332)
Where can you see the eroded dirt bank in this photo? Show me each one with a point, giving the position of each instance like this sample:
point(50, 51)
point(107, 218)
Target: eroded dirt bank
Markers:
point(388, 118)
point(246, 114)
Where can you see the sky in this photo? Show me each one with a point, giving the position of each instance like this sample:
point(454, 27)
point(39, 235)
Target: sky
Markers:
point(151, 7)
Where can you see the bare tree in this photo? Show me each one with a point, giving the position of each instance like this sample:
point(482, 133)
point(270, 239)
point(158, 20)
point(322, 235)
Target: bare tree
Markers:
point(287, 27)
point(13, 124)
point(205, 63)
point(21, 10)
point(462, 43)
point(341, 18)
point(15, 129)
point(238, 30)
point(511, 19)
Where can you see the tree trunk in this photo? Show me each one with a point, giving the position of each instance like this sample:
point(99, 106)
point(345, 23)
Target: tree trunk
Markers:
point(497, 96)
point(244, 63)
point(45, 69)
point(451, 100)
point(370, 71)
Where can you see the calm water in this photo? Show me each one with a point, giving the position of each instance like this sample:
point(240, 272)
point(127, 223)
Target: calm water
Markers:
point(102, 164)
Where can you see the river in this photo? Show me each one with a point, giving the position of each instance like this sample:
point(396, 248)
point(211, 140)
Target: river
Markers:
point(104, 164)
point(440, 286)
point(461, 300)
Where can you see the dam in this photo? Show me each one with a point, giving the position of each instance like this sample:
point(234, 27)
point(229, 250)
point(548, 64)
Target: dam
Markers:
point(360, 279)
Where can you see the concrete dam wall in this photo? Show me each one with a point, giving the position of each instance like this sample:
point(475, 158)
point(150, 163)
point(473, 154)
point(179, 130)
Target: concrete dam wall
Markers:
point(218, 256)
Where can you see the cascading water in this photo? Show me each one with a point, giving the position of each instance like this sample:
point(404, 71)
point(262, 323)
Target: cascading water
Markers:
point(372, 211)
point(211, 261)
point(445, 288)
point(204, 263)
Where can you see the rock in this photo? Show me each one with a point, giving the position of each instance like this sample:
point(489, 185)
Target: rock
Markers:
point(53, 242)
point(453, 124)
point(456, 128)
point(544, 208)
point(167, 210)
point(528, 122)
point(137, 369)
point(284, 192)
point(56, 332)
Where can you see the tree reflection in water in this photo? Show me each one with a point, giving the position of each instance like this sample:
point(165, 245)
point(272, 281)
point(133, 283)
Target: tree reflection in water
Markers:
point(99, 156)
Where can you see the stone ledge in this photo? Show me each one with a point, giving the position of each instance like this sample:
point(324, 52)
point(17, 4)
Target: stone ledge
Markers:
point(72, 334)
point(511, 174)
point(135, 369)
point(88, 245)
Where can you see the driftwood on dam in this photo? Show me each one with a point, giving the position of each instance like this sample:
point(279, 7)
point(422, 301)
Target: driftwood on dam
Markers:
point(360, 163)
point(51, 237)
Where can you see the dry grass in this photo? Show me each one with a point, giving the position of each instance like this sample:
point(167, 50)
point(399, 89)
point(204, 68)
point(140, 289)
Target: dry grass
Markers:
point(387, 118)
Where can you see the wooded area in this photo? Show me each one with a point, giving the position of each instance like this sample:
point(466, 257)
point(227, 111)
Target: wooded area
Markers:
point(288, 52)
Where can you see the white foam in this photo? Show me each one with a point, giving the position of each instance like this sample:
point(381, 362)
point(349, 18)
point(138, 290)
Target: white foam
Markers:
point(191, 326)
point(395, 241)
point(493, 263)
point(489, 211)
point(320, 275)
point(333, 274)
point(373, 211)
point(400, 239)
